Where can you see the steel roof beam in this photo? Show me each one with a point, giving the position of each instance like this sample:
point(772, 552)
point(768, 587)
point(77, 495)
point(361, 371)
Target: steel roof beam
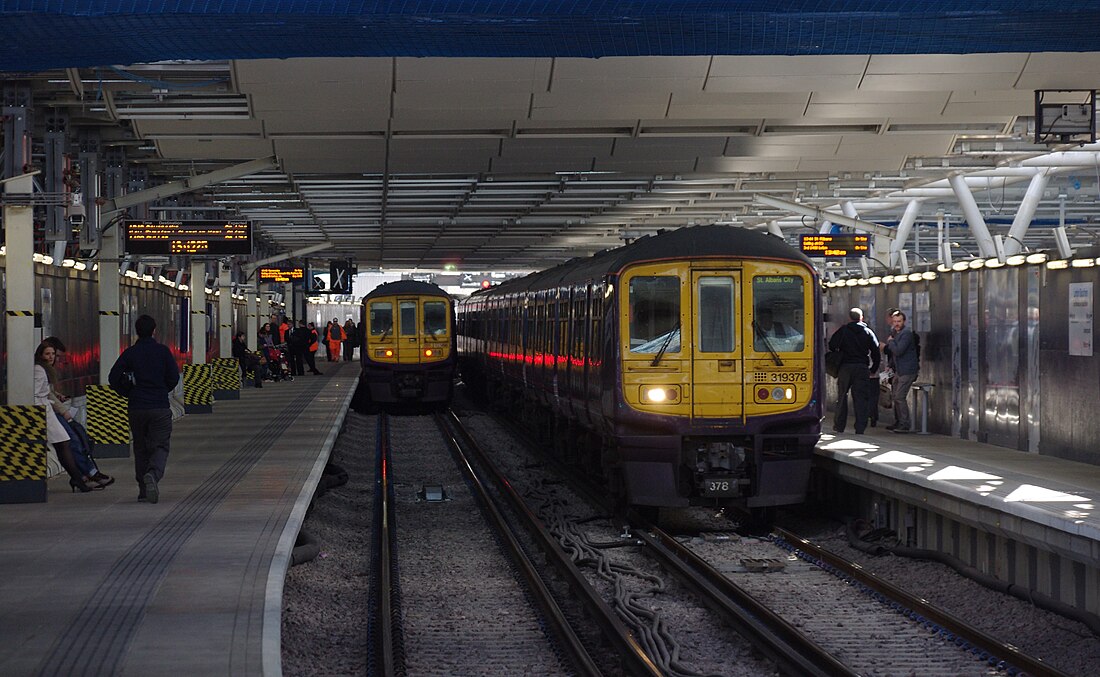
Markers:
point(113, 206)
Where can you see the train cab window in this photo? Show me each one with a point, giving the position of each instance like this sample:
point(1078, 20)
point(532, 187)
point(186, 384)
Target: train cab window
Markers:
point(779, 314)
point(655, 314)
point(717, 312)
point(407, 323)
point(381, 318)
point(435, 318)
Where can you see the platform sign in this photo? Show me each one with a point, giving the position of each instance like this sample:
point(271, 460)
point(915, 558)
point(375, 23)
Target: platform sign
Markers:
point(837, 246)
point(189, 238)
point(281, 275)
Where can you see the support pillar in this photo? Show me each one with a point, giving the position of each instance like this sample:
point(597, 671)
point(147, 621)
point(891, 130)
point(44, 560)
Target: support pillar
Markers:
point(110, 322)
point(774, 229)
point(198, 312)
point(905, 226)
point(986, 248)
point(1014, 243)
point(253, 318)
point(225, 309)
point(19, 270)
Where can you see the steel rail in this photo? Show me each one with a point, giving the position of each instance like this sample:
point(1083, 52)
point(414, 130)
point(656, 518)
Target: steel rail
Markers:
point(1009, 654)
point(633, 657)
point(382, 615)
point(793, 652)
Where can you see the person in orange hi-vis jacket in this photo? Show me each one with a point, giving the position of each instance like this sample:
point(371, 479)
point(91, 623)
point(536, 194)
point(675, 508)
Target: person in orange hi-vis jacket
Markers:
point(335, 337)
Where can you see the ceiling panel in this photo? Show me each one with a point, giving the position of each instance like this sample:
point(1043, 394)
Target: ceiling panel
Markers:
point(715, 105)
point(331, 156)
point(372, 71)
point(442, 155)
point(221, 149)
point(575, 105)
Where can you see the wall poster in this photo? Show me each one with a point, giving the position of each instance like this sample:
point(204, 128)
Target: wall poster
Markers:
point(1080, 319)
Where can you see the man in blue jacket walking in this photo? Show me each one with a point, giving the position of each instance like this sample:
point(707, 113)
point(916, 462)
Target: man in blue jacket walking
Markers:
point(145, 373)
point(901, 348)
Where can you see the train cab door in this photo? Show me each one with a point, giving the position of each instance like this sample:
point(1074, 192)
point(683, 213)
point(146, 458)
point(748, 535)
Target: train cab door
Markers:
point(409, 348)
point(717, 368)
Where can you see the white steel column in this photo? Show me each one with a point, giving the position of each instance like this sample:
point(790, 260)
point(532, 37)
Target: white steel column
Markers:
point(986, 248)
point(265, 304)
point(253, 317)
point(19, 269)
point(110, 324)
point(774, 229)
point(225, 310)
point(905, 226)
point(198, 312)
point(1014, 243)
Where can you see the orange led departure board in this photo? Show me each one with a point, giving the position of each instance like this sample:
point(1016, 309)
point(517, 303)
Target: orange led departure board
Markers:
point(281, 274)
point(835, 246)
point(189, 238)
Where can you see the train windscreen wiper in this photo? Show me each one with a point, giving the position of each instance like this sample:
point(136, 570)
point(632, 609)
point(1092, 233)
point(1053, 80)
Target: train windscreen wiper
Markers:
point(767, 343)
point(664, 346)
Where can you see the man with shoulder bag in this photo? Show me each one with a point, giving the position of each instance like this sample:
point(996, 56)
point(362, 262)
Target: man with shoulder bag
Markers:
point(859, 355)
point(902, 347)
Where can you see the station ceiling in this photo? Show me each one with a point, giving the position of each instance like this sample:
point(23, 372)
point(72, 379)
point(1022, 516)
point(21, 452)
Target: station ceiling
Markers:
point(517, 162)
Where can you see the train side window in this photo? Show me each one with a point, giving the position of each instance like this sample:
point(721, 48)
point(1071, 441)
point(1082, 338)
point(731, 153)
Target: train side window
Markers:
point(778, 313)
point(654, 314)
point(407, 320)
point(435, 318)
point(381, 318)
point(717, 310)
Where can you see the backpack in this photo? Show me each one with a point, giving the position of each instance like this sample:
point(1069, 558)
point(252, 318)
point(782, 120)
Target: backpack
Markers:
point(916, 344)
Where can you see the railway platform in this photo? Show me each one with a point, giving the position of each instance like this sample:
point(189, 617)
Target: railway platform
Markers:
point(1027, 519)
point(101, 584)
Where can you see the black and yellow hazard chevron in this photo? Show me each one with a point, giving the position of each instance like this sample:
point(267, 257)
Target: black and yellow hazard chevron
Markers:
point(109, 313)
point(22, 442)
point(20, 313)
point(227, 378)
point(198, 389)
point(108, 422)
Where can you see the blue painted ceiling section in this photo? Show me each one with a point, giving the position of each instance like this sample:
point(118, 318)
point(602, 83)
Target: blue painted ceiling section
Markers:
point(41, 34)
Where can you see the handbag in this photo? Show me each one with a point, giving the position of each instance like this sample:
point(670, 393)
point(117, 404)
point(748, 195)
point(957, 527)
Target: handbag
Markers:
point(832, 362)
point(885, 395)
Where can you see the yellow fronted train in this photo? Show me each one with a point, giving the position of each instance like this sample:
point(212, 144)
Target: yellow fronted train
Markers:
point(408, 353)
point(684, 368)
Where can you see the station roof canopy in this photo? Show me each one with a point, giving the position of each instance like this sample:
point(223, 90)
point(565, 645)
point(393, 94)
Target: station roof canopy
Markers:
point(488, 134)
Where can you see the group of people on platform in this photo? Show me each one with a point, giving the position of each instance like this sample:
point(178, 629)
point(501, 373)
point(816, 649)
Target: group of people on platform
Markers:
point(862, 369)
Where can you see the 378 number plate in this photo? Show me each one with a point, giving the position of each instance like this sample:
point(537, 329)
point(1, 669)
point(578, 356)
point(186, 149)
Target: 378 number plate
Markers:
point(720, 486)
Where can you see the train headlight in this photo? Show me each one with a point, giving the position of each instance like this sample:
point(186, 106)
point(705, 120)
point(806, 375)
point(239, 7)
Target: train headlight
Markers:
point(428, 352)
point(383, 352)
point(660, 394)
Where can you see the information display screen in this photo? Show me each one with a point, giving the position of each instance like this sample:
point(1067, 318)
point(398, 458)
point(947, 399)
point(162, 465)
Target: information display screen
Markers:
point(281, 274)
point(189, 238)
point(836, 246)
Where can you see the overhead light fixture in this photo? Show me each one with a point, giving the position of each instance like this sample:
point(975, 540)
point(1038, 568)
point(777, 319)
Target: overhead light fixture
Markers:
point(1038, 257)
point(915, 277)
point(1058, 264)
point(960, 266)
point(993, 263)
point(875, 280)
point(887, 279)
point(1083, 263)
point(977, 263)
point(943, 268)
point(1016, 260)
point(929, 275)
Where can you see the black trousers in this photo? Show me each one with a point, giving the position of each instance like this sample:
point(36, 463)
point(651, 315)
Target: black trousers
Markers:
point(855, 378)
point(311, 361)
point(296, 362)
point(349, 350)
point(152, 433)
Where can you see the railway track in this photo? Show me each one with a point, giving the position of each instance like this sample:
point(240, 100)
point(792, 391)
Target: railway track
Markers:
point(819, 617)
point(452, 593)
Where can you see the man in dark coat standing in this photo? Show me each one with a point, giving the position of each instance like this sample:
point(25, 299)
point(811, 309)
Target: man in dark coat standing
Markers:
point(145, 373)
point(858, 348)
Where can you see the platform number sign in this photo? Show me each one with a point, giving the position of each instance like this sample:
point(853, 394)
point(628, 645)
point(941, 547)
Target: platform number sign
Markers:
point(339, 276)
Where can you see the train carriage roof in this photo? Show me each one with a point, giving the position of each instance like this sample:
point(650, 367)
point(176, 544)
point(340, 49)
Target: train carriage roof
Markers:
point(406, 288)
point(694, 242)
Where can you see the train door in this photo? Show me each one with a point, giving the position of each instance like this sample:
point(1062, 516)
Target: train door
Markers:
point(716, 364)
point(408, 330)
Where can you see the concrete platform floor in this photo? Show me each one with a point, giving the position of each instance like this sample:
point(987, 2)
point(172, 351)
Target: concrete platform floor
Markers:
point(99, 584)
